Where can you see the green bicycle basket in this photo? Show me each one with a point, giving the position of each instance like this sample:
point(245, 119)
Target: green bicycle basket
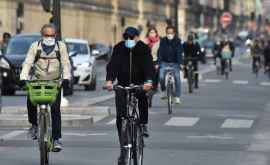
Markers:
point(42, 92)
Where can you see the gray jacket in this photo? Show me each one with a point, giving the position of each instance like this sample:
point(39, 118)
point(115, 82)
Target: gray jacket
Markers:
point(47, 67)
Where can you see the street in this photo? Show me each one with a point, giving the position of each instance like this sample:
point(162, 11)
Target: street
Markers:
point(224, 122)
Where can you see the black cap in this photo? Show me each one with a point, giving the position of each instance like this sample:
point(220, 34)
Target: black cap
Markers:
point(131, 31)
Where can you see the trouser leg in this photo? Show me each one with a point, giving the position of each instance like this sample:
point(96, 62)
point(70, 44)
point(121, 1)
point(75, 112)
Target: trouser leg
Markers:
point(56, 118)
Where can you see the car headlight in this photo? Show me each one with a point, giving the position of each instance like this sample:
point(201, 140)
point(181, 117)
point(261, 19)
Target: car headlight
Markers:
point(202, 49)
point(4, 63)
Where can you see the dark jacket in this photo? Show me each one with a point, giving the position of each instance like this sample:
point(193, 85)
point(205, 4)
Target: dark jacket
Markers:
point(141, 61)
point(192, 51)
point(170, 51)
point(267, 54)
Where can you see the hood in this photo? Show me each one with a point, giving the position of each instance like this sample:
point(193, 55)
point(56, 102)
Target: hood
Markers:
point(16, 60)
point(81, 58)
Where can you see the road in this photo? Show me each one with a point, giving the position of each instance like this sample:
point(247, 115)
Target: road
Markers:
point(224, 122)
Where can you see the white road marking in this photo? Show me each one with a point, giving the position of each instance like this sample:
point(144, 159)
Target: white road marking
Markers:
point(265, 83)
point(112, 122)
point(212, 80)
point(237, 123)
point(240, 82)
point(11, 135)
point(211, 137)
point(83, 134)
point(98, 118)
point(182, 121)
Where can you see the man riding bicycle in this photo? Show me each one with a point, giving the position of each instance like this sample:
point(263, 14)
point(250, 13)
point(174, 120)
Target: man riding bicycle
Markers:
point(256, 53)
point(170, 54)
point(131, 63)
point(47, 59)
point(192, 52)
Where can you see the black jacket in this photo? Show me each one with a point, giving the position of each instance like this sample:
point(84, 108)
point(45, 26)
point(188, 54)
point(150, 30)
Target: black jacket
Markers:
point(192, 51)
point(141, 61)
point(170, 51)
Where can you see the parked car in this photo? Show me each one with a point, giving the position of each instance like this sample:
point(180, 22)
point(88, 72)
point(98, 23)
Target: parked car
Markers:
point(14, 58)
point(101, 51)
point(84, 63)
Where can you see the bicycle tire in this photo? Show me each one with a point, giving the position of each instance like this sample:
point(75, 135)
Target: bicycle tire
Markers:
point(138, 144)
point(43, 145)
point(190, 81)
point(169, 97)
point(126, 139)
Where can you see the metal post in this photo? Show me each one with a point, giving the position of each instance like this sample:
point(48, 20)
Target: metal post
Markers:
point(176, 3)
point(57, 17)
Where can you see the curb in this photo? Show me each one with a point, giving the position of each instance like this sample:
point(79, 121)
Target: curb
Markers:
point(79, 117)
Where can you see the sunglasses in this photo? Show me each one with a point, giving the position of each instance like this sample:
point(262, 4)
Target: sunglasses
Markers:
point(127, 36)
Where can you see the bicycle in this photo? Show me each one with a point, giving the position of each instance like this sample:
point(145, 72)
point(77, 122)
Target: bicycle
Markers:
point(226, 57)
point(256, 66)
point(190, 76)
point(42, 94)
point(170, 87)
point(132, 130)
point(218, 65)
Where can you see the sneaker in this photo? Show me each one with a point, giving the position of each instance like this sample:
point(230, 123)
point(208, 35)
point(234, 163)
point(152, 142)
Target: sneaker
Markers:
point(33, 132)
point(122, 160)
point(57, 146)
point(145, 131)
point(177, 100)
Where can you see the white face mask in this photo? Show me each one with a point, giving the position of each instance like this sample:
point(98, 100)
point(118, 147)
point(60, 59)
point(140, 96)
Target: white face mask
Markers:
point(170, 36)
point(48, 41)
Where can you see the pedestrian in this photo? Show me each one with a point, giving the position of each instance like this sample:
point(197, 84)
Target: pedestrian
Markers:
point(5, 40)
point(153, 40)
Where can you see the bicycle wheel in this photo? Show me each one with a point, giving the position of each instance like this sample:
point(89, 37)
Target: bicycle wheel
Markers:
point(138, 146)
point(190, 81)
point(170, 97)
point(126, 139)
point(43, 145)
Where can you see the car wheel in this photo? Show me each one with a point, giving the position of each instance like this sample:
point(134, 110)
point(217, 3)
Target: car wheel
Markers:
point(92, 86)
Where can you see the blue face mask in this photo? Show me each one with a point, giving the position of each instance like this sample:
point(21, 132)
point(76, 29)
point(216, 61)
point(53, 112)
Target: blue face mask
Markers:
point(130, 43)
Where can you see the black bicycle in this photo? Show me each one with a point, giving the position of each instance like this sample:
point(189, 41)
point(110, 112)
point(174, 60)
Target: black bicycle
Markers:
point(132, 130)
point(256, 66)
point(190, 74)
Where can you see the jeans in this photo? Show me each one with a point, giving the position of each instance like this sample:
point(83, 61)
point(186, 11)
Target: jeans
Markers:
point(162, 75)
point(55, 113)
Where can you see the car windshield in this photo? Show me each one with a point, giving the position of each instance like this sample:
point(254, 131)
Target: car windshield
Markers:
point(77, 47)
point(20, 45)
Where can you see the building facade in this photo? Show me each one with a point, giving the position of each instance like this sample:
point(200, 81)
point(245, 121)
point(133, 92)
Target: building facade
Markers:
point(105, 20)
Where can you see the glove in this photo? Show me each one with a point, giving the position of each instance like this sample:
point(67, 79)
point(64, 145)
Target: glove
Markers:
point(65, 83)
point(22, 83)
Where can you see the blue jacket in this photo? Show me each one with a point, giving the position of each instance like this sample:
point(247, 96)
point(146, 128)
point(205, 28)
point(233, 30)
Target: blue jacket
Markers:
point(170, 51)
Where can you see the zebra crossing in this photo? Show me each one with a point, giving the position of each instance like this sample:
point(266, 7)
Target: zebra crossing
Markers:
point(235, 82)
point(189, 122)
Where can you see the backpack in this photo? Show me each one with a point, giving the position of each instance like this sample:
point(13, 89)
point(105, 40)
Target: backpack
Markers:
point(57, 52)
point(226, 52)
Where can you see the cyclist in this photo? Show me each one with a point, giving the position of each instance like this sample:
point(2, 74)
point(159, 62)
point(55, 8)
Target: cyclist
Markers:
point(170, 54)
point(226, 47)
point(192, 52)
point(131, 63)
point(267, 56)
point(49, 60)
point(256, 53)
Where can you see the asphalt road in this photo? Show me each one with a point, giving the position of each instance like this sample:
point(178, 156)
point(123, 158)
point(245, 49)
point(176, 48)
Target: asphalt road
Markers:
point(224, 122)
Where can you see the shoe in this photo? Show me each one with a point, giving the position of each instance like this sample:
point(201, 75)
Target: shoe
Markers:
point(33, 132)
point(145, 130)
point(122, 160)
point(57, 146)
point(177, 100)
